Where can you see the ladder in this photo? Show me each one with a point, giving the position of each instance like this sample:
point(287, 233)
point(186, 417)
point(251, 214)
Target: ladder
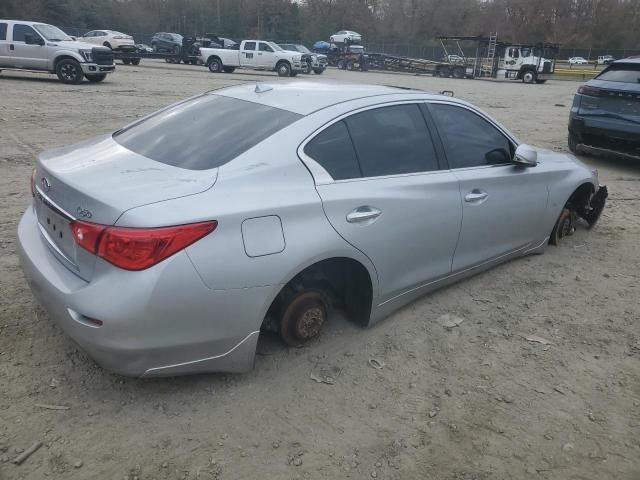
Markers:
point(486, 69)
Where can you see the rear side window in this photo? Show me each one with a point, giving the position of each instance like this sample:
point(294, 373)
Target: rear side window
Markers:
point(19, 31)
point(249, 46)
point(332, 148)
point(205, 132)
point(3, 31)
point(392, 140)
point(621, 73)
point(469, 140)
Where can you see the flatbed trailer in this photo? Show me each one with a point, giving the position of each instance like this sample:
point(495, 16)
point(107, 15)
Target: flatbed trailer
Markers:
point(394, 63)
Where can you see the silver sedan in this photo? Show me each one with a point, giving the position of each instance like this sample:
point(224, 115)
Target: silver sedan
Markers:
point(166, 247)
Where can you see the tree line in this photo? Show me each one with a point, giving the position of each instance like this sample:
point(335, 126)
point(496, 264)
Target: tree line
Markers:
point(613, 24)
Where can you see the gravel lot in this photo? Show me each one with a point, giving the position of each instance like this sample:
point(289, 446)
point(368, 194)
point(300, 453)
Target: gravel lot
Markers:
point(474, 402)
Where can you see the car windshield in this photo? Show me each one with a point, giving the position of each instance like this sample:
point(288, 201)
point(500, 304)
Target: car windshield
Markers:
point(204, 132)
point(51, 33)
point(176, 36)
point(621, 73)
point(302, 48)
point(275, 46)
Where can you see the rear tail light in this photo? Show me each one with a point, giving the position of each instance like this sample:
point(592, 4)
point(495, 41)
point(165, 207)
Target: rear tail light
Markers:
point(137, 248)
point(588, 90)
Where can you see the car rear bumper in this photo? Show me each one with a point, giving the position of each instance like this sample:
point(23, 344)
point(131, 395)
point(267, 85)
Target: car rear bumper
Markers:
point(157, 322)
point(605, 133)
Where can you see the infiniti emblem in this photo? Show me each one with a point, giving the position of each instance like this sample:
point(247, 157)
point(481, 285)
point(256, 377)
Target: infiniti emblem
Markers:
point(45, 184)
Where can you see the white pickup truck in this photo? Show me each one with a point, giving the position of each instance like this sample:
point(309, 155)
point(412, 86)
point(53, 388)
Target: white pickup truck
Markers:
point(253, 54)
point(38, 47)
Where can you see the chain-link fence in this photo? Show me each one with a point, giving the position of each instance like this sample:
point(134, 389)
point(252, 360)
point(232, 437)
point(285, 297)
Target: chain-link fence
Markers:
point(429, 52)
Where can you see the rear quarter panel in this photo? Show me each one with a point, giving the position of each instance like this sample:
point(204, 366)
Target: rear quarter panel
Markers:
point(267, 180)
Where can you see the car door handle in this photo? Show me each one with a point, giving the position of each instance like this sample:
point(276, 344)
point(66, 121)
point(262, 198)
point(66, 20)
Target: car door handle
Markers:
point(11, 47)
point(362, 214)
point(475, 196)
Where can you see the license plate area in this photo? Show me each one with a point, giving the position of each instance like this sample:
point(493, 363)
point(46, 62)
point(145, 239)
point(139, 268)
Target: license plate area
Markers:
point(56, 230)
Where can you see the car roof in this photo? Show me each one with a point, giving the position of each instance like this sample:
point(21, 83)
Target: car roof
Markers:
point(307, 97)
point(627, 61)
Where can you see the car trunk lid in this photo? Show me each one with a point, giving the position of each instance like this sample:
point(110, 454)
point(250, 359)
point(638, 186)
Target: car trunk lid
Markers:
point(97, 181)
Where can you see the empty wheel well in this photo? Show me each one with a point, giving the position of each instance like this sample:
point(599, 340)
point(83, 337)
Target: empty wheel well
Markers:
point(344, 280)
point(579, 199)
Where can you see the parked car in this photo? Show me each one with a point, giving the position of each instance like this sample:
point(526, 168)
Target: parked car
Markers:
point(605, 114)
point(166, 42)
point(312, 62)
point(253, 54)
point(577, 61)
point(345, 36)
point(172, 250)
point(38, 47)
point(605, 60)
point(144, 48)
point(108, 38)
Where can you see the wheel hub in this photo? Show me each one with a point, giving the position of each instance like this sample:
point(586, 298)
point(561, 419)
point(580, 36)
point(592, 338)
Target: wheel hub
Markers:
point(309, 323)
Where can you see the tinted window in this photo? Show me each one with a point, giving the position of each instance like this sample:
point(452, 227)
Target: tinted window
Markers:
point(392, 140)
point(332, 148)
point(265, 48)
point(469, 140)
point(3, 31)
point(249, 46)
point(621, 73)
point(205, 132)
point(19, 30)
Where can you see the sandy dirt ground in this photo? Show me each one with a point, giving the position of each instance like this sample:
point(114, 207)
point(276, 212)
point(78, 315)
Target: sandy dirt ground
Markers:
point(477, 401)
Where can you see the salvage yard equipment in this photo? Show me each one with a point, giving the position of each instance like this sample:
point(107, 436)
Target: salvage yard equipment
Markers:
point(530, 63)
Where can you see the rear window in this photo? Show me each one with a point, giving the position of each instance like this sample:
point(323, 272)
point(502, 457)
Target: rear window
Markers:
point(205, 132)
point(621, 73)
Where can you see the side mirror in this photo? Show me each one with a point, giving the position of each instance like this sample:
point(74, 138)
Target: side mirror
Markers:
point(525, 156)
point(31, 39)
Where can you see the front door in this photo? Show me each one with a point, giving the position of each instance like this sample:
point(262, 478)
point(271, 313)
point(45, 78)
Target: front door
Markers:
point(32, 57)
point(503, 204)
point(266, 56)
point(388, 196)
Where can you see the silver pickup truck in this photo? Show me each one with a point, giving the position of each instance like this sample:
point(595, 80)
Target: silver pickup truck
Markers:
point(38, 47)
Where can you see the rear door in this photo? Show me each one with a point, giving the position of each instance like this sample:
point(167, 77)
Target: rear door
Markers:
point(248, 57)
point(5, 58)
point(33, 57)
point(90, 37)
point(503, 204)
point(386, 195)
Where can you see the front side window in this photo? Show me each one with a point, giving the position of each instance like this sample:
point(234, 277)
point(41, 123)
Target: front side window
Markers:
point(392, 140)
point(20, 30)
point(205, 132)
point(333, 150)
point(249, 46)
point(469, 140)
point(265, 48)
